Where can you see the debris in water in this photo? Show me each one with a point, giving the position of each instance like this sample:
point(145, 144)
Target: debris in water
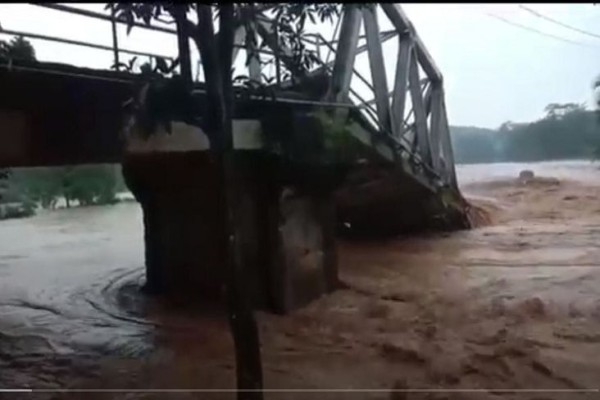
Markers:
point(526, 175)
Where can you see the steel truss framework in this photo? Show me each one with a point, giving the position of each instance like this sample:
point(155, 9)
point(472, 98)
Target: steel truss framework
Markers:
point(411, 118)
point(409, 122)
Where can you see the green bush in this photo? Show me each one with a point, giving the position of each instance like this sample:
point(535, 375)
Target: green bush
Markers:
point(86, 185)
point(16, 210)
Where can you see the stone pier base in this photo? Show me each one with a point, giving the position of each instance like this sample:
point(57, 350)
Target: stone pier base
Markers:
point(285, 237)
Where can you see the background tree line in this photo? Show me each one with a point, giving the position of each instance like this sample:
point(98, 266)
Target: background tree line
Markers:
point(567, 131)
point(22, 190)
point(81, 185)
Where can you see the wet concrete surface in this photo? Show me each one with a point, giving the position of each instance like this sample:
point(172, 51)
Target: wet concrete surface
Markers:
point(512, 305)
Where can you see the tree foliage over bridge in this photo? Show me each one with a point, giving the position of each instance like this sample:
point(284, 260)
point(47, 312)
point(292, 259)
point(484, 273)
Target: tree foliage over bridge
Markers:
point(17, 48)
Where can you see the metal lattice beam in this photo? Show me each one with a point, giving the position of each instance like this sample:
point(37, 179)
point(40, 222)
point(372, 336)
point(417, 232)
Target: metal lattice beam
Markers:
point(412, 114)
point(401, 83)
point(346, 54)
point(376, 62)
point(411, 118)
point(403, 24)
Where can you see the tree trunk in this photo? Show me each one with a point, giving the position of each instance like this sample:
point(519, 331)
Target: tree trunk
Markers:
point(241, 316)
point(183, 45)
point(217, 64)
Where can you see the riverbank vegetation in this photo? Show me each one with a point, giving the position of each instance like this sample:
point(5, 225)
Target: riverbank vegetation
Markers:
point(567, 131)
point(22, 190)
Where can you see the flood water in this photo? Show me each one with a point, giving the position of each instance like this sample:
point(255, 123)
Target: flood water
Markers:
point(62, 275)
point(515, 304)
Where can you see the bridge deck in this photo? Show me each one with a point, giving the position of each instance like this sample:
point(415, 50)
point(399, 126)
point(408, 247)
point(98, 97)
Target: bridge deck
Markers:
point(53, 114)
point(57, 114)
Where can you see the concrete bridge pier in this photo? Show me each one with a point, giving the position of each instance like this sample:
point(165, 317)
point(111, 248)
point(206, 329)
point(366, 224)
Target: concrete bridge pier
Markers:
point(285, 236)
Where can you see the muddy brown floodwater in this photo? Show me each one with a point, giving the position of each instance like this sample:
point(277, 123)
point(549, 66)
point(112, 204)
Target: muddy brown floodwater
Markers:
point(511, 305)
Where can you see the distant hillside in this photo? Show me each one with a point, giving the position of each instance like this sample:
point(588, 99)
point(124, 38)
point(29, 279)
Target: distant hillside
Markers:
point(568, 131)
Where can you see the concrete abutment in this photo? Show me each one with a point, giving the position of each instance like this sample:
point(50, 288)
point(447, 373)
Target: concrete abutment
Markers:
point(285, 236)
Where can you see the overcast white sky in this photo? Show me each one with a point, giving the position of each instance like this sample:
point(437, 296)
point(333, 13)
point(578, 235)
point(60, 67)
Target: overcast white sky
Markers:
point(493, 71)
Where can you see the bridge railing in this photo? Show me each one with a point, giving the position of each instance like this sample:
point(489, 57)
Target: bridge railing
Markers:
point(111, 18)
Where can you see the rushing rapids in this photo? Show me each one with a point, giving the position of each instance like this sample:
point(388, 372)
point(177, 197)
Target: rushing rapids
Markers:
point(512, 304)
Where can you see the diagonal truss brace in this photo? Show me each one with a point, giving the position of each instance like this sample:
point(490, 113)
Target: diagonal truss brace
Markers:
point(378, 76)
point(430, 133)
